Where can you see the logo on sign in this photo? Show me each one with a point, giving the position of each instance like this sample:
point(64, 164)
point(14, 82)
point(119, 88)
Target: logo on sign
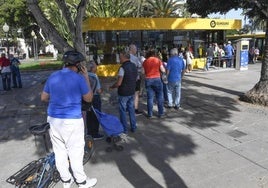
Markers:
point(213, 23)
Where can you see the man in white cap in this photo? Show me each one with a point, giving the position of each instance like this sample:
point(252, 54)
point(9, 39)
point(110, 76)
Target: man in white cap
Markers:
point(229, 50)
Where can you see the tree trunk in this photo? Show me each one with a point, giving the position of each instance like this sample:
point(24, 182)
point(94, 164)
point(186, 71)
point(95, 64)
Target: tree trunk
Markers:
point(74, 25)
point(51, 33)
point(259, 93)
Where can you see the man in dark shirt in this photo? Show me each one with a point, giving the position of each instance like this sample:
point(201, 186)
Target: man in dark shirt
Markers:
point(126, 84)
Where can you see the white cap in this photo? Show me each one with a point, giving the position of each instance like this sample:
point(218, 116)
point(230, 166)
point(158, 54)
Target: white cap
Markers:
point(229, 42)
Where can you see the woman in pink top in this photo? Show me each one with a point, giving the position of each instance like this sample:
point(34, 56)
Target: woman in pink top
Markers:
point(5, 72)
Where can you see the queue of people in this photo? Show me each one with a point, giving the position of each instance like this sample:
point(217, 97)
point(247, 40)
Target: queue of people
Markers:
point(65, 108)
point(10, 71)
point(220, 55)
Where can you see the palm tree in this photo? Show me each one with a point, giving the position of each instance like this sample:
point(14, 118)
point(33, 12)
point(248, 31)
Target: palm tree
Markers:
point(165, 8)
point(111, 8)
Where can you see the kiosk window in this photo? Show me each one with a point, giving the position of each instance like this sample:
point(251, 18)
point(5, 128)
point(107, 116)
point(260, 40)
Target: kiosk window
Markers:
point(244, 47)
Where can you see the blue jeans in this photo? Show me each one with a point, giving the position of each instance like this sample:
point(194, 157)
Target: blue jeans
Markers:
point(154, 86)
point(209, 61)
point(229, 61)
point(174, 93)
point(6, 80)
point(16, 78)
point(126, 104)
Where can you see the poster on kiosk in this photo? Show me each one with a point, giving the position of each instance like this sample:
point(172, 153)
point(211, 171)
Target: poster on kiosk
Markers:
point(242, 48)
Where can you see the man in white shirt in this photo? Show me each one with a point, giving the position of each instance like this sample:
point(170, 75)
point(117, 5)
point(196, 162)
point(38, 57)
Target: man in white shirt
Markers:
point(134, 59)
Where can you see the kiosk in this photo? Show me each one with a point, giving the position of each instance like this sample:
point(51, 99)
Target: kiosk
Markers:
point(242, 48)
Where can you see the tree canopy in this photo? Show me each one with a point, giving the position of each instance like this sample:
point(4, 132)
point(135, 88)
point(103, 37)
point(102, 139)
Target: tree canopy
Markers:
point(251, 7)
point(72, 17)
point(16, 14)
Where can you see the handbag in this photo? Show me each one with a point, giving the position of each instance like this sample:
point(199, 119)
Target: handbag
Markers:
point(164, 77)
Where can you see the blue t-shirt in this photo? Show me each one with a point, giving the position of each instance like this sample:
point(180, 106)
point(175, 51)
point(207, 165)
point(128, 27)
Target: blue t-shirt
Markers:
point(175, 66)
point(229, 50)
point(65, 89)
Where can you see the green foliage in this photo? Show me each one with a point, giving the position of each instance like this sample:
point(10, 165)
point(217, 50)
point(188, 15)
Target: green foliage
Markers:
point(54, 15)
point(232, 32)
point(252, 8)
point(15, 13)
point(164, 8)
point(111, 8)
point(41, 65)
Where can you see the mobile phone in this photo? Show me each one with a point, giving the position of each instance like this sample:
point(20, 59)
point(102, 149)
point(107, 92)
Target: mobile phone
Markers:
point(79, 67)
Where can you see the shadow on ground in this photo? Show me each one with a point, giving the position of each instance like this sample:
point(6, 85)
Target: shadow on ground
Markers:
point(155, 139)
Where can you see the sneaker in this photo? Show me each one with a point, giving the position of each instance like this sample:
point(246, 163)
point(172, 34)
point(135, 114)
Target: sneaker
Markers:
point(149, 116)
point(90, 182)
point(133, 130)
point(177, 107)
point(137, 112)
point(68, 184)
point(98, 137)
point(167, 106)
point(162, 116)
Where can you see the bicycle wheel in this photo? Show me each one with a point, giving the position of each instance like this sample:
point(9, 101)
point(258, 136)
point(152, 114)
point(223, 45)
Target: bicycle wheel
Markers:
point(89, 148)
point(46, 173)
point(56, 175)
point(27, 176)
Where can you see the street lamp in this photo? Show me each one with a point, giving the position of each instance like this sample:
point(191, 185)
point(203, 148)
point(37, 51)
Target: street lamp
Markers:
point(117, 47)
point(34, 45)
point(117, 41)
point(6, 30)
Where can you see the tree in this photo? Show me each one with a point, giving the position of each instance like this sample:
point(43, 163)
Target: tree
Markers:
point(112, 8)
point(73, 21)
point(252, 8)
point(55, 16)
point(16, 14)
point(164, 8)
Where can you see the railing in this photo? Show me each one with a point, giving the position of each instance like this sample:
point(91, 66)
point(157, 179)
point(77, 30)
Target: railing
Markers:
point(223, 62)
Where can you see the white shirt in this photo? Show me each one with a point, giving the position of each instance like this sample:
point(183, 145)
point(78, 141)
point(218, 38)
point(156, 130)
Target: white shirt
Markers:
point(134, 59)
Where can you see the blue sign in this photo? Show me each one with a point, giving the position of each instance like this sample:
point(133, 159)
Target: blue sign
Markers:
point(244, 58)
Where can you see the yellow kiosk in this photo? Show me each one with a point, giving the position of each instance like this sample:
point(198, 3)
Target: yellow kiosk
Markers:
point(103, 36)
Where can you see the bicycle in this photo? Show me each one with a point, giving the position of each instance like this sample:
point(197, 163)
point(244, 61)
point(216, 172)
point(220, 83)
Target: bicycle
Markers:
point(42, 173)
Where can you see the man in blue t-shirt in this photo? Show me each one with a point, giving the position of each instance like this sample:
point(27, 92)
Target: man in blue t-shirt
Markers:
point(64, 91)
point(175, 70)
point(229, 52)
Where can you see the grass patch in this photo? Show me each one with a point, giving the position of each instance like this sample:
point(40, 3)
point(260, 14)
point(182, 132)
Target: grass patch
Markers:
point(41, 65)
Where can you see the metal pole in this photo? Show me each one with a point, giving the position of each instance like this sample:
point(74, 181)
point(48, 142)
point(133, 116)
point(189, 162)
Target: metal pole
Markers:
point(36, 53)
point(33, 49)
point(7, 44)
